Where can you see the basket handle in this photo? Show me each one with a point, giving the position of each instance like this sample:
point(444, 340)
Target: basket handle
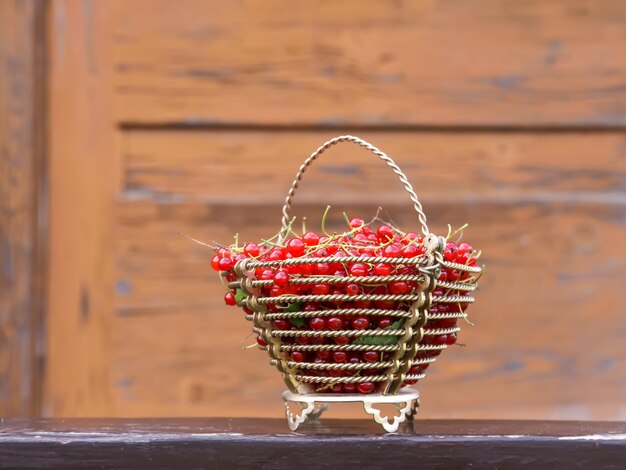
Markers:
point(380, 154)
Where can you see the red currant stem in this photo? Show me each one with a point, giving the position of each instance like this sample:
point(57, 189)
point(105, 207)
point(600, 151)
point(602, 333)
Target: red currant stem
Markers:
point(250, 346)
point(480, 274)
point(198, 241)
point(447, 237)
point(464, 317)
point(303, 225)
point(345, 216)
point(237, 242)
point(223, 280)
point(290, 230)
point(461, 228)
point(270, 243)
point(324, 217)
point(395, 229)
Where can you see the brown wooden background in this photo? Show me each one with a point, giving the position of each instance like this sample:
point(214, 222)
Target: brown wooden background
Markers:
point(193, 116)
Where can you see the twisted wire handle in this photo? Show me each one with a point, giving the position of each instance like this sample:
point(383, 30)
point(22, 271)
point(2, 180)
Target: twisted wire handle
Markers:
point(379, 153)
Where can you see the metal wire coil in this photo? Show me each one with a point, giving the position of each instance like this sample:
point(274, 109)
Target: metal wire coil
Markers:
point(407, 345)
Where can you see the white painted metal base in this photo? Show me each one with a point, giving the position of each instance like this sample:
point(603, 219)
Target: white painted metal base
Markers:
point(314, 404)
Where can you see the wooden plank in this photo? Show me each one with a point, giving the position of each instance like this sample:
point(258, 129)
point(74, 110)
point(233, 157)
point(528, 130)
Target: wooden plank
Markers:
point(250, 443)
point(236, 165)
point(552, 266)
point(84, 179)
point(461, 63)
point(22, 206)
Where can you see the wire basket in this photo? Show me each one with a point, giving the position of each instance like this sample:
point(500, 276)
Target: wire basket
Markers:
point(406, 346)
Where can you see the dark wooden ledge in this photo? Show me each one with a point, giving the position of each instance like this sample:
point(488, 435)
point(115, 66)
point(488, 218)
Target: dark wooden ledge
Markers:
point(264, 443)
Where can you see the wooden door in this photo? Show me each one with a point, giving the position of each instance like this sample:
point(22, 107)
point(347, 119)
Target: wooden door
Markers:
point(193, 116)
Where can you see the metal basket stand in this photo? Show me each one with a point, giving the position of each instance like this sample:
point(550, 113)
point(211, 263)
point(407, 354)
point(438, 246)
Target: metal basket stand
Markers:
point(313, 405)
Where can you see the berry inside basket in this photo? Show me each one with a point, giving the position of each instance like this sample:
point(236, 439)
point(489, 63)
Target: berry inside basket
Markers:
point(362, 311)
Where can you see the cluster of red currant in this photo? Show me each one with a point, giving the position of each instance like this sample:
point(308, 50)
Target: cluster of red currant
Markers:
point(332, 296)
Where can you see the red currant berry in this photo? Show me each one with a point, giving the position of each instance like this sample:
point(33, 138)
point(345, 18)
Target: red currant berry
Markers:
point(445, 323)
point(451, 252)
point(276, 291)
point(465, 247)
point(225, 264)
point(317, 323)
point(215, 262)
point(310, 239)
point(410, 251)
point(352, 289)
point(321, 289)
point(370, 356)
point(340, 356)
point(356, 224)
point(385, 233)
point(334, 323)
point(297, 356)
point(385, 304)
point(440, 339)
point(382, 269)
point(277, 254)
point(358, 269)
point(342, 340)
point(302, 339)
point(281, 278)
point(391, 251)
point(296, 247)
point(336, 388)
point(266, 274)
point(360, 323)
point(384, 322)
point(324, 355)
point(349, 388)
point(321, 269)
point(398, 287)
point(365, 387)
point(261, 341)
point(409, 237)
point(452, 337)
point(251, 250)
point(229, 299)
point(282, 324)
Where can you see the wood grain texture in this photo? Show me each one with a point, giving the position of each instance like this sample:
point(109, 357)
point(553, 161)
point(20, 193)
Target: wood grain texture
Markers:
point(406, 63)
point(22, 206)
point(194, 116)
point(84, 180)
point(243, 165)
point(552, 267)
point(254, 443)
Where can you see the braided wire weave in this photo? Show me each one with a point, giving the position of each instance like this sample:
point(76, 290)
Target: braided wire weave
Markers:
point(376, 151)
point(407, 345)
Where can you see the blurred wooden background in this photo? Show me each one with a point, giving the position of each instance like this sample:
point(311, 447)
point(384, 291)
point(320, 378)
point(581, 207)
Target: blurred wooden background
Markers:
point(163, 117)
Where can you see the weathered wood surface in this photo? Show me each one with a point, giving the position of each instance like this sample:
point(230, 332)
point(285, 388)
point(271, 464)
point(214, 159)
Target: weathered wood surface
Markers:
point(84, 181)
point(460, 63)
point(249, 443)
point(238, 166)
point(194, 116)
point(22, 206)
